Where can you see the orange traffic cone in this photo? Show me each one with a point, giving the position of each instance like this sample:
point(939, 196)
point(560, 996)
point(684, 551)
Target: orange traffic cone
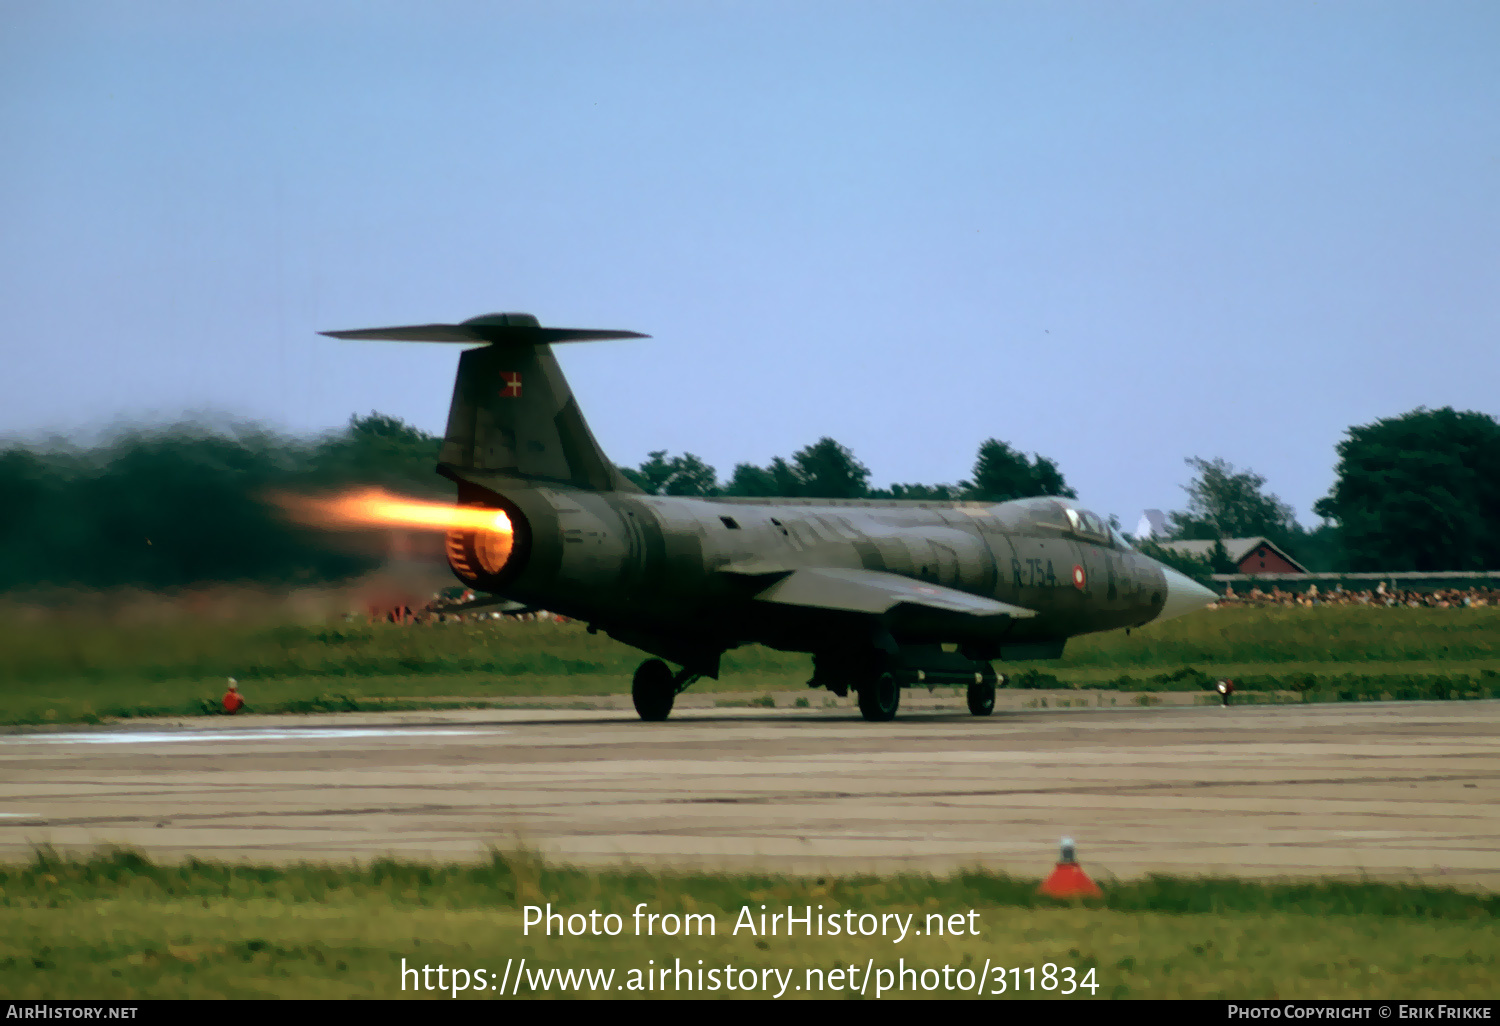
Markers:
point(1069, 880)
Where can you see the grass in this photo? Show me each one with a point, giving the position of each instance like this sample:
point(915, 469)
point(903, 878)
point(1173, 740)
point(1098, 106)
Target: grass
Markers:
point(1392, 684)
point(87, 668)
point(63, 648)
point(116, 925)
point(1279, 634)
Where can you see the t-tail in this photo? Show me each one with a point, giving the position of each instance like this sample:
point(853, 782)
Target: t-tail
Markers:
point(513, 415)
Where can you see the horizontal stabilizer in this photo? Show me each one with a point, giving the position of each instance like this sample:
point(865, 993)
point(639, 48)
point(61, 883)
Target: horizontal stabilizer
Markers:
point(873, 591)
point(511, 328)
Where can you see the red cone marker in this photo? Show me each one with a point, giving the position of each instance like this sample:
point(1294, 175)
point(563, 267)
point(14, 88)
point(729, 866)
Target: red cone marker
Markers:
point(1069, 880)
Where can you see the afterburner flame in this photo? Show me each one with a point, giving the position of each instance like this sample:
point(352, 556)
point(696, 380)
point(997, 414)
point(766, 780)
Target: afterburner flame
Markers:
point(372, 507)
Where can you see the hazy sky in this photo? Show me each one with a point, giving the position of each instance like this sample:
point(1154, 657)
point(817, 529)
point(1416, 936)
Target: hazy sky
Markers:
point(1118, 234)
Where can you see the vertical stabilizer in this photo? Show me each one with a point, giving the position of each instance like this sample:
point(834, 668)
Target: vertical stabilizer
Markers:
point(513, 412)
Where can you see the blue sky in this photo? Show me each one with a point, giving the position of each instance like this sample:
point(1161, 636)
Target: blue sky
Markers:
point(1117, 234)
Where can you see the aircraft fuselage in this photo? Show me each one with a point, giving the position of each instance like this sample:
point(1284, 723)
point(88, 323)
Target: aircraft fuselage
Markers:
point(883, 594)
point(685, 578)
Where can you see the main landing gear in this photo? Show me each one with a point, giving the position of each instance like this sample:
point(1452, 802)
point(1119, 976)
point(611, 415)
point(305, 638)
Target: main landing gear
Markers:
point(877, 677)
point(880, 697)
point(982, 696)
point(655, 687)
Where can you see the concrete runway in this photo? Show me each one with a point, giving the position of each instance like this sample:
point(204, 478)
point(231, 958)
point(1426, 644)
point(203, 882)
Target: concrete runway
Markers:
point(1394, 791)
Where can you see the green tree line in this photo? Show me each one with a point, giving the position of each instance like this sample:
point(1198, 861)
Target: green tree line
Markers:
point(828, 470)
point(190, 502)
point(1416, 492)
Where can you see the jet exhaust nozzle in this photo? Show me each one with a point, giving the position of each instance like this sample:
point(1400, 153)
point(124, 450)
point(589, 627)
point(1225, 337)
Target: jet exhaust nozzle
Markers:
point(488, 560)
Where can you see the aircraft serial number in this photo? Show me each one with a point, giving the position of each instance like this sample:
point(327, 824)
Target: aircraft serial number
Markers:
point(1031, 572)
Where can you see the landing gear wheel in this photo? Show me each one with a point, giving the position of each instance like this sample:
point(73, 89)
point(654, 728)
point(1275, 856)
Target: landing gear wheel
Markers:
point(652, 690)
point(982, 698)
point(880, 697)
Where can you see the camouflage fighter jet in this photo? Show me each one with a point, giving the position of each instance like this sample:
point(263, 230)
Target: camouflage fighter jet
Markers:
point(883, 594)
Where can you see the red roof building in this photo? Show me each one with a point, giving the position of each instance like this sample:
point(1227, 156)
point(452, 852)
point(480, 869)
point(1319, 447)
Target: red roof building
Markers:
point(1249, 555)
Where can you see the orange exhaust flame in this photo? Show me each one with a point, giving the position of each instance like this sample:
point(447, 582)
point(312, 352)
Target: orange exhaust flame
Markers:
point(372, 507)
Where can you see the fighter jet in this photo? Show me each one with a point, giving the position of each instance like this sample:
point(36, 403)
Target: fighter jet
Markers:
point(883, 594)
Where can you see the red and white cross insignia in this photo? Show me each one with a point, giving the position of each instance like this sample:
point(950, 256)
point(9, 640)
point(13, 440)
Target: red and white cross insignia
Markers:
point(512, 389)
point(1079, 580)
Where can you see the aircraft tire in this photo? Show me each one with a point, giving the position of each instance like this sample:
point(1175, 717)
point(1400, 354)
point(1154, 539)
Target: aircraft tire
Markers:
point(652, 690)
point(982, 698)
point(880, 697)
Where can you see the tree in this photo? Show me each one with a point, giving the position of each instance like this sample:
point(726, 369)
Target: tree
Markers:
point(164, 507)
point(1001, 473)
point(929, 493)
point(1219, 561)
point(1419, 492)
point(1224, 503)
point(828, 470)
point(680, 475)
point(185, 504)
point(39, 528)
point(1321, 550)
point(823, 470)
point(651, 475)
point(751, 482)
point(1199, 568)
point(691, 476)
point(379, 450)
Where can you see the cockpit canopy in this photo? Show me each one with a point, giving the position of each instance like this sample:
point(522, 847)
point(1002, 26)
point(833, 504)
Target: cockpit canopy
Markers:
point(1059, 515)
point(1092, 527)
point(1087, 524)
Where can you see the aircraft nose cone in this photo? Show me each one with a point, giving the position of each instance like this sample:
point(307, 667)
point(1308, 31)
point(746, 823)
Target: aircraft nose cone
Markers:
point(1184, 595)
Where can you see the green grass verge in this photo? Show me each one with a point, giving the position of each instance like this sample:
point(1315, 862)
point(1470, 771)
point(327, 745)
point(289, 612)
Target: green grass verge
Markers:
point(86, 669)
point(119, 926)
point(1307, 686)
point(96, 702)
point(1278, 634)
point(90, 649)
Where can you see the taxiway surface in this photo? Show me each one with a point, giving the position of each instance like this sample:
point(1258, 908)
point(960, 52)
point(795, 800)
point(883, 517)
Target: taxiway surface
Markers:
point(1388, 790)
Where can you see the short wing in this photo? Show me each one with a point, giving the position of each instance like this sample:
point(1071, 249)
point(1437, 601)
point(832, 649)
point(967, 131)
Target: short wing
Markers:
point(756, 568)
point(872, 591)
